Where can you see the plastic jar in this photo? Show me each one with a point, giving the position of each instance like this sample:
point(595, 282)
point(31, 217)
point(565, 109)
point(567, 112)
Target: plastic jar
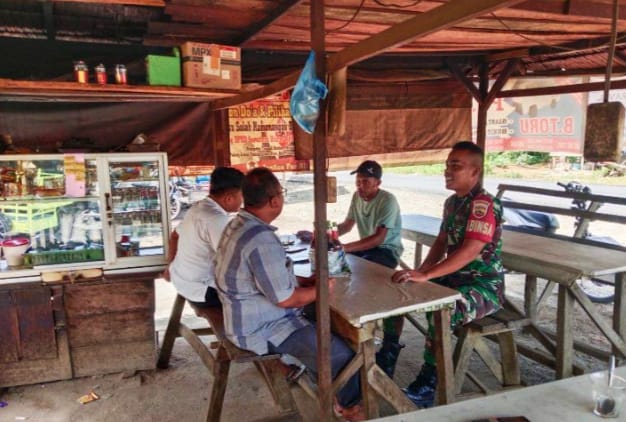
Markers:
point(101, 74)
point(80, 72)
point(120, 74)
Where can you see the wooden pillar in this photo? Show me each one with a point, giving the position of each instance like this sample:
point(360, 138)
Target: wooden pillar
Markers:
point(565, 340)
point(320, 190)
point(337, 99)
point(220, 138)
point(481, 123)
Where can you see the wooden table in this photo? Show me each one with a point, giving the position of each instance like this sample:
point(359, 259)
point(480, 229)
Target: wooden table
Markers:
point(565, 400)
point(558, 261)
point(368, 295)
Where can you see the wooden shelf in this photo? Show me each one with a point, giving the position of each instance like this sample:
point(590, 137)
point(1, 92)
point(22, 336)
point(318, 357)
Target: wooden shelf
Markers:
point(46, 91)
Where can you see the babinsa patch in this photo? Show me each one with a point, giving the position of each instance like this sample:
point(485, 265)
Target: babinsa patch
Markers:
point(479, 208)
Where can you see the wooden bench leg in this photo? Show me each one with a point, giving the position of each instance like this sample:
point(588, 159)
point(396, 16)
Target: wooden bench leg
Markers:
point(509, 359)
point(461, 358)
point(218, 390)
point(485, 354)
point(275, 380)
point(171, 332)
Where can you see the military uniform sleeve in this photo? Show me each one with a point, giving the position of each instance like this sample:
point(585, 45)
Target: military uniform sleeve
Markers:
point(481, 223)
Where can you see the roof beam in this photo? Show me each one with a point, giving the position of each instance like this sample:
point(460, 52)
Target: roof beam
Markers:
point(437, 19)
point(555, 50)
point(588, 8)
point(460, 76)
point(566, 89)
point(510, 67)
point(150, 3)
point(271, 18)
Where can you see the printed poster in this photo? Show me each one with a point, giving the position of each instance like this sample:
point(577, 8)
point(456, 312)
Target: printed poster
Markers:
point(261, 135)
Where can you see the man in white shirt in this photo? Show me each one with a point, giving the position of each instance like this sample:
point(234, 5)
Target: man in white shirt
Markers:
point(194, 242)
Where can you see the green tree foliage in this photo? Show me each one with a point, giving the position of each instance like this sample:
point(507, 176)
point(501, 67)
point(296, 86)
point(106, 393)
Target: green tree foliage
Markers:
point(527, 158)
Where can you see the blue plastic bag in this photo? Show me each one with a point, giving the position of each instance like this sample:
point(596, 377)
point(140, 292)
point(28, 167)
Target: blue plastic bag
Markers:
point(304, 104)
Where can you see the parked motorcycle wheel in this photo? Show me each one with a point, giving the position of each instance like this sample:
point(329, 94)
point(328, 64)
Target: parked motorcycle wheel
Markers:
point(597, 291)
point(175, 207)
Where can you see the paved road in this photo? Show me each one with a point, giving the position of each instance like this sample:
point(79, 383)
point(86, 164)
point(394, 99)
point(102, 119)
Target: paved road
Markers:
point(435, 185)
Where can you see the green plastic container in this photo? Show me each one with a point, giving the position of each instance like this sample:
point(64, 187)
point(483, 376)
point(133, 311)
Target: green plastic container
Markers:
point(163, 70)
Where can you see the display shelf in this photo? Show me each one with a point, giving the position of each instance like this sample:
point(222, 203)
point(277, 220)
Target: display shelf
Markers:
point(155, 210)
point(45, 91)
point(11, 199)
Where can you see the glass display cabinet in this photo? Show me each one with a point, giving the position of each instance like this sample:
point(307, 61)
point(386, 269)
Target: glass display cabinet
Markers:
point(73, 211)
point(83, 237)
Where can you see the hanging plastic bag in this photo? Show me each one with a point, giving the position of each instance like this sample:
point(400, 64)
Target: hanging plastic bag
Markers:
point(304, 104)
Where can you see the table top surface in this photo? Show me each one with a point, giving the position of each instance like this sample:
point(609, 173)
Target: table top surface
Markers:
point(572, 258)
point(569, 399)
point(368, 293)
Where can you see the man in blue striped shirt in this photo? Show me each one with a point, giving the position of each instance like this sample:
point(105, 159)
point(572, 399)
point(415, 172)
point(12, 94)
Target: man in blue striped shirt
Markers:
point(262, 298)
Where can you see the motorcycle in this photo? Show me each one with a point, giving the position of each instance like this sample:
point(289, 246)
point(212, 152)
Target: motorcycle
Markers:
point(183, 194)
point(598, 290)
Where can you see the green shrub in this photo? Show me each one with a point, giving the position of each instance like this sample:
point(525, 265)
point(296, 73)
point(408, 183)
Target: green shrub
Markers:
point(506, 158)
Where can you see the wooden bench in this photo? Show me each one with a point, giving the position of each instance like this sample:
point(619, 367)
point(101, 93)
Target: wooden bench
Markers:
point(219, 355)
point(470, 337)
point(587, 215)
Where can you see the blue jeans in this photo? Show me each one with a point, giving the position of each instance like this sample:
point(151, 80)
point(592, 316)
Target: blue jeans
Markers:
point(382, 256)
point(302, 344)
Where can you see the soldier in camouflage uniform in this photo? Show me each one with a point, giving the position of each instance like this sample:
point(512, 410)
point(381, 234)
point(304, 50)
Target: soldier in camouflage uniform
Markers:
point(465, 256)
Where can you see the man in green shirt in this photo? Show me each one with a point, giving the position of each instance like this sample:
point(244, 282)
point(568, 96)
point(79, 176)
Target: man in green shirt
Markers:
point(376, 214)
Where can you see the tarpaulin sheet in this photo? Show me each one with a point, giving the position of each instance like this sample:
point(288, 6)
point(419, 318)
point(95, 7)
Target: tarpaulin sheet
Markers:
point(183, 130)
point(392, 118)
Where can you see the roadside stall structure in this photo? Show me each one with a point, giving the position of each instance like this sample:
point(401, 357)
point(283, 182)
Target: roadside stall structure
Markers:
point(455, 40)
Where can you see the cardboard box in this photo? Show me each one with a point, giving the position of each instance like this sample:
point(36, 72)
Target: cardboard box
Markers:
point(211, 66)
point(163, 70)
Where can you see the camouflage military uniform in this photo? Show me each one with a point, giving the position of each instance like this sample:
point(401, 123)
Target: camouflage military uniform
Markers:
point(481, 282)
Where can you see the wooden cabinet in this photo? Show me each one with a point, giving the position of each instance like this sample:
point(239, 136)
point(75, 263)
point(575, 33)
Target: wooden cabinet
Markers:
point(73, 330)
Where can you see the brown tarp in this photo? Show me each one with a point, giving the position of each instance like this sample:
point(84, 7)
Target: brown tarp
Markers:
point(183, 130)
point(382, 119)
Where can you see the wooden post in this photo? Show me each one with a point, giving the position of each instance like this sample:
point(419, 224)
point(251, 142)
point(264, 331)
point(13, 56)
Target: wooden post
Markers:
point(443, 354)
point(320, 189)
point(481, 123)
point(337, 102)
point(565, 340)
point(221, 138)
point(530, 298)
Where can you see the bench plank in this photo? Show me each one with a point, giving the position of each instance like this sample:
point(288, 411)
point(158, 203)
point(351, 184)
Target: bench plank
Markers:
point(566, 211)
point(562, 194)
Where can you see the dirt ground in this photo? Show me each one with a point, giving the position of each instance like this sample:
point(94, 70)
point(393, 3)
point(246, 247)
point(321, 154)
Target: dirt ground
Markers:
point(180, 393)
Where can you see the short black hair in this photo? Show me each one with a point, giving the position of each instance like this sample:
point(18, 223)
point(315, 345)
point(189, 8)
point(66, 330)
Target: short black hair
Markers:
point(259, 186)
point(225, 179)
point(472, 148)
